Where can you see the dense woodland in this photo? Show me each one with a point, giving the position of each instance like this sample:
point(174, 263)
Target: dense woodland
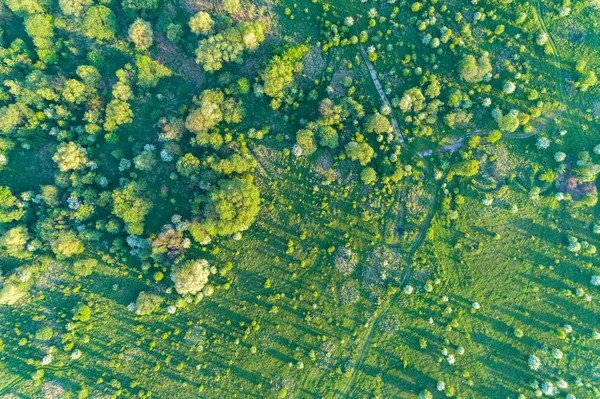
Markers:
point(277, 199)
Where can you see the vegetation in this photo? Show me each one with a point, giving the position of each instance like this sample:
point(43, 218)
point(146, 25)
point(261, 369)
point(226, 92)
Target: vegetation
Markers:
point(343, 199)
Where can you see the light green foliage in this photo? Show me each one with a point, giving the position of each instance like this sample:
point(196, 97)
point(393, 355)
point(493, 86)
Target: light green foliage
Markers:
point(191, 276)
point(82, 312)
point(140, 4)
point(140, 33)
point(229, 45)
point(74, 91)
point(74, 7)
point(189, 166)
point(466, 168)
point(305, 140)
point(66, 244)
point(70, 156)
point(361, 152)
point(328, 137)
point(15, 240)
point(10, 207)
point(232, 206)
point(508, 123)
point(39, 28)
point(279, 73)
point(100, 23)
point(85, 267)
point(150, 71)
point(213, 109)
point(201, 23)
point(378, 124)
point(131, 204)
point(236, 163)
point(24, 7)
point(147, 303)
point(368, 175)
point(231, 6)
point(44, 333)
point(473, 70)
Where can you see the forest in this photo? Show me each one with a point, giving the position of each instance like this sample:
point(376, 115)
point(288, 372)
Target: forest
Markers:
point(329, 199)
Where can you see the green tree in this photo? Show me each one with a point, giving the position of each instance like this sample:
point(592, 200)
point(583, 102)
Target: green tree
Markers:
point(70, 156)
point(466, 168)
point(202, 23)
point(40, 29)
point(474, 70)
point(147, 303)
point(231, 6)
point(279, 73)
point(368, 175)
point(131, 204)
point(66, 244)
point(150, 71)
point(232, 206)
point(100, 23)
point(74, 7)
point(189, 166)
point(140, 33)
point(379, 124)
point(361, 152)
point(82, 312)
point(190, 276)
point(10, 207)
point(74, 91)
point(328, 137)
point(140, 4)
point(508, 123)
point(305, 140)
point(14, 241)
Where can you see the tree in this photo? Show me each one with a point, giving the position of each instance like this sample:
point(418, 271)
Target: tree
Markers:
point(231, 6)
point(232, 206)
point(189, 166)
point(117, 113)
point(131, 204)
point(304, 139)
point(66, 244)
point(74, 91)
point(209, 114)
point(368, 175)
point(328, 137)
point(229, 45)
point(474, 70)
point(75, 8)
point(587, 80)
point(10, 207)
point(82, 312)
point(190, 276)
point(466, 168)
point(100, 23)
point(140, 4)
point(508, 123)
point(140, 33)
point(378, 123)
point(15, 240)
point(147, 303)
point(279, 73)
point(361, 152)
point(150, 71)
point(202, 23)
point(70, 156)
point(39, 28)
